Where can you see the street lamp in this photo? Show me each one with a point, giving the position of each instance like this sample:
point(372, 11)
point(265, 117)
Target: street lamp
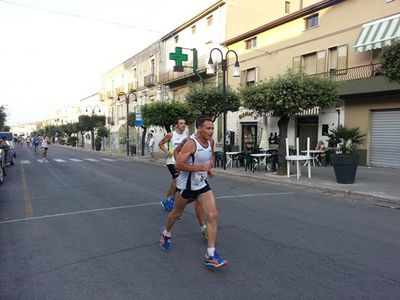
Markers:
point(236, 73)
point(338, 115)
point(92, 109)
point(121, 97)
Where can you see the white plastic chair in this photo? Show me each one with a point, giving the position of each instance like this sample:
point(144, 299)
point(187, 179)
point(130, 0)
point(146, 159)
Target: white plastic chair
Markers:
point(297, 158)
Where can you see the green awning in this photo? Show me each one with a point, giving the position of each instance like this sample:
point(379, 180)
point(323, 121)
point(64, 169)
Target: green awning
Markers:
point(378, 34)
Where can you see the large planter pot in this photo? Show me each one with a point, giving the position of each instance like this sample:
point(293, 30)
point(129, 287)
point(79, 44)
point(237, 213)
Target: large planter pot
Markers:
point(97, 146)
point(345, 166)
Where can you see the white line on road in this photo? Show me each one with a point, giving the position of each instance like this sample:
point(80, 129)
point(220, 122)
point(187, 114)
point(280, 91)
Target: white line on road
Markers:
point(107, 159)
point(132, 206)
point(91, 159)
point(41, 160)
point(59, 160)
point(24, 162)
point(75, 159)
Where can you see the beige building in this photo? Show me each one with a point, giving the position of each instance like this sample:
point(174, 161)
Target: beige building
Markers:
point(333, 38)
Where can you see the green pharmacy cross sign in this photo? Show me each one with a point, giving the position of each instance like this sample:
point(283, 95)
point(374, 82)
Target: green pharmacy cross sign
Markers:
point(178, 56)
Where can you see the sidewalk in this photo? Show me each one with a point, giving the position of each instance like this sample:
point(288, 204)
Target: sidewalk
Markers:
point(382, 184)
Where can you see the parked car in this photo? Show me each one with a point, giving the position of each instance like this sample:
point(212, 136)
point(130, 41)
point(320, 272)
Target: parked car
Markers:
point(11, 154)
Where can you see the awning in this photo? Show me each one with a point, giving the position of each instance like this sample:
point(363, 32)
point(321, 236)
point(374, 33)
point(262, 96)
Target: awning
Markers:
point(378, 34)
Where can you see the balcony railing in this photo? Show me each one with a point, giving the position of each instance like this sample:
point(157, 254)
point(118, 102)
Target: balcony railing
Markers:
point(187, 72)
point(361, 72)
point(150, 80)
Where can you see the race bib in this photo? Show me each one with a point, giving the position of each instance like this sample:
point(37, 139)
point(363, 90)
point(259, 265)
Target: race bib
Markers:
point(200, 177)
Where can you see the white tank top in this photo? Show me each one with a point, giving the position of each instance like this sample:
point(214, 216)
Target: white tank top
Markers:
point(195, 180)
point(176, 139)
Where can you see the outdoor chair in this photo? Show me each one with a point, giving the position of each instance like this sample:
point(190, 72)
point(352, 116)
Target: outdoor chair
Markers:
point(297, 158)
point(219, 159)
point(239, 160)
point(250, 162)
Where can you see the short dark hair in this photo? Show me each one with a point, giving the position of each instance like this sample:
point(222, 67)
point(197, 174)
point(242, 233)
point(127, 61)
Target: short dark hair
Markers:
point(200, 121)
point(177, 120)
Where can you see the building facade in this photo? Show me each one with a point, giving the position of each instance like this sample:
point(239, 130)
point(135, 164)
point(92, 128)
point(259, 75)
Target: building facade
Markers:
point(311, 38)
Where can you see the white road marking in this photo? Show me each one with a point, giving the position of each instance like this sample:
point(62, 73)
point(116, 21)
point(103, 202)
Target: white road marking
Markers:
point(59, 160)
point(75, 159)
point(91, 159)
point(131, 206)
point(107, 159)
point(41, 160)
point(24, 162)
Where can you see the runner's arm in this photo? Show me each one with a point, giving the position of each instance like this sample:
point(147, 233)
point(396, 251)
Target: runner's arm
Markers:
point(165, 139)
point(181, 160)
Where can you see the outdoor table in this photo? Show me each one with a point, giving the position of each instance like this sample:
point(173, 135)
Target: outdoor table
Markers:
point(314, 156)
point(261, 159)
point(229, 157)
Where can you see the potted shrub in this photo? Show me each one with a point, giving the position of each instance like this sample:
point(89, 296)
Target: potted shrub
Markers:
point(345, 161)
point(72, 140)
point(101, 133)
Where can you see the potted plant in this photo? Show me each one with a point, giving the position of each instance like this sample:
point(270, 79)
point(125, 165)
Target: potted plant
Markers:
point(345, 161)
point(101, 133)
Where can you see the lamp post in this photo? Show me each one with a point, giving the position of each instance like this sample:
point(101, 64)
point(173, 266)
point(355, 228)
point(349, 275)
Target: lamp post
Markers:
point(92, 109)
point(236, 73)
point(121, 97)
point(338, 115)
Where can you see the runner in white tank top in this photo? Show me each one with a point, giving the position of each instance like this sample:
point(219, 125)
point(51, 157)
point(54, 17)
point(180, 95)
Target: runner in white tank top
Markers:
point(201, 149)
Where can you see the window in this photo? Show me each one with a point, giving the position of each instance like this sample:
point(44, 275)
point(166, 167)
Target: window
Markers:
point(152, 66)
point(338, 58)
point(312, 63)
point(176, 38)
point(312, 21)
point(287, 7)
point(249, 76)
point(209, 20)
point(251, 43)
point(193, 29)
point(134, 71)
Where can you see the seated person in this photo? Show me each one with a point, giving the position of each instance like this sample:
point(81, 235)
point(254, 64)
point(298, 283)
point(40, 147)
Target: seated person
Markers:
point(321, 146)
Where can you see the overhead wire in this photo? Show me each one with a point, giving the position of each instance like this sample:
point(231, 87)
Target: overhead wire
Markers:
point(82, 17)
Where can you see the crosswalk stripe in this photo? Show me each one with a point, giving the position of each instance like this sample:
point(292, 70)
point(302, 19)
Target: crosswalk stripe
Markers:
point(59, 160)
point(75, 159)
point(40, 160)
point(107, 159)
point(24, 162)
point(91, 159)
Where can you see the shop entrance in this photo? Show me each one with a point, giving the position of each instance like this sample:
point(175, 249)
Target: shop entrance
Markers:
point(307, 127)
point(249, 136)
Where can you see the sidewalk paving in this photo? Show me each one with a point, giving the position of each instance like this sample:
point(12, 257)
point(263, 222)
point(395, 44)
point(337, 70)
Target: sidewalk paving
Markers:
point(377, 183)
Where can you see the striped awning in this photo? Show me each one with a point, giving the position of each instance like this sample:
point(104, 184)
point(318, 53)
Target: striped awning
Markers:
point(378, 34)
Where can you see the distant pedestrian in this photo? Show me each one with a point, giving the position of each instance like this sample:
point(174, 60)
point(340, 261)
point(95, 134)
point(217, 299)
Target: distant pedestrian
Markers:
point(151, 143)
point(36, 142)
point(44, 145)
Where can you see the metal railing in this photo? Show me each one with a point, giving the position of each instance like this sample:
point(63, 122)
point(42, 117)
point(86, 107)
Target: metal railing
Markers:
point(360, 72)
point(149, 80)
point(187, 72)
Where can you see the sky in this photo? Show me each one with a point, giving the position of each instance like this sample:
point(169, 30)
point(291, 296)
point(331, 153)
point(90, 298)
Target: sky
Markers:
point(53, 53)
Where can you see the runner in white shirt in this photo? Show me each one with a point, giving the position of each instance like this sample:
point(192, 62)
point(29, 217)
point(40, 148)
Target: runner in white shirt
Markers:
point(195, 161)
point(44, 144)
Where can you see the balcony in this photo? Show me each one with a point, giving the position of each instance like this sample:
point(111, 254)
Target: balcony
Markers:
point(171, 76)
point(133, 86)
point(150, 80)
point(361, 72)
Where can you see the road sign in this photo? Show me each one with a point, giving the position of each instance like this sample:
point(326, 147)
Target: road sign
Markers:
point(139, 119)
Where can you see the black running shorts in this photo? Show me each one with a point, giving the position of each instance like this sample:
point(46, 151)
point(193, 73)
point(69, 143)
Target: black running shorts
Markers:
point(191, 195)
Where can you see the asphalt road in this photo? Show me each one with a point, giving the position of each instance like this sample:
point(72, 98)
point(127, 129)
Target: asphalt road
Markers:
point(74, 228)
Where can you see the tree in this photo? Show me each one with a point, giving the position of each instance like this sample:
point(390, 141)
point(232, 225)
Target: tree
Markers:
point(287, 95)
point(89, 124)
point(390, 61)
point(165, 113)
point(208, 100)
point(3, 117)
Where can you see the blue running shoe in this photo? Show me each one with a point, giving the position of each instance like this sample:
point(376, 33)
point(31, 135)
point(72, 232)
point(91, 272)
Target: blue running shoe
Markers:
point(168, 206)
point(215, 261)
point(164, 240)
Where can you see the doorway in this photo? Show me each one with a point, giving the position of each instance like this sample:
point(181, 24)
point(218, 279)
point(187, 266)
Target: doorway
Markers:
point(249, 136)
point(307, 127)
